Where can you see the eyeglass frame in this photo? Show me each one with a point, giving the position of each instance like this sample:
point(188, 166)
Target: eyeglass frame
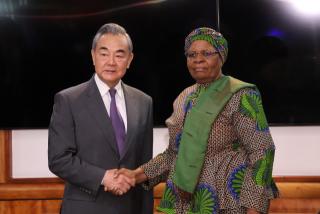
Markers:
point(205, 54)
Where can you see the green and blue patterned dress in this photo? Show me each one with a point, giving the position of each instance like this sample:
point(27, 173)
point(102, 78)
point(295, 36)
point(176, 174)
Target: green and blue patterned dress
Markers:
point(237, 171)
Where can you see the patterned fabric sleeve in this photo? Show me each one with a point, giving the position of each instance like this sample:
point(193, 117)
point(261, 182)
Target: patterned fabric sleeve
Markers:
point(253, 132)
point(157, 169)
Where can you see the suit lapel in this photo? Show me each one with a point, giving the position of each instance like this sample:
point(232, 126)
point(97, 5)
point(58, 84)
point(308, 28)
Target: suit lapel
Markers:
point(98, 111)
point(132, 116)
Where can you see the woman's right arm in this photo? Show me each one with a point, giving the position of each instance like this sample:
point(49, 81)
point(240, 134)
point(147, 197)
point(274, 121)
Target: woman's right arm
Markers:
point(152, 172)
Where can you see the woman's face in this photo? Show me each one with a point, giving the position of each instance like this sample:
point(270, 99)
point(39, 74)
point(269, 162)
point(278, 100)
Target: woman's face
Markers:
point(204, 62)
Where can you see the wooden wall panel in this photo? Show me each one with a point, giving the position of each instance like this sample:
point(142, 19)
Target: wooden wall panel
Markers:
point(299, 194)
point(30, 207)
point(3, 154)
point(295, 205)
point(299, 190)
point(31, 191)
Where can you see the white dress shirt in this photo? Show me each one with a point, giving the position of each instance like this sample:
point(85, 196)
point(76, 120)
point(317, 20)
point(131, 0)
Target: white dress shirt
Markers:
point(120, 101)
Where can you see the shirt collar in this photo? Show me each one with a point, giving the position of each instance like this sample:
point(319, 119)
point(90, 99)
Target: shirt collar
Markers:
point(104, 88)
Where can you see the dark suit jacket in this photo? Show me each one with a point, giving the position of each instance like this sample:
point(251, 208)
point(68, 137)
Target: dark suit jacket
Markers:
point(82, 147)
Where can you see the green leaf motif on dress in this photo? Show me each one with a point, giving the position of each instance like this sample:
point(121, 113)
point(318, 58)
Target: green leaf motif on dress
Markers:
point(167, 203)
point(251, 106)
point(205, 200)
point(235, 181)
point(262, 171)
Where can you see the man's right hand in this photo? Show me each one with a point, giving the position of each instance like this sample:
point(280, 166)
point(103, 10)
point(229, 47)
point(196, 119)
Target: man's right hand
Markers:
point(117, 184)
point(138, 174)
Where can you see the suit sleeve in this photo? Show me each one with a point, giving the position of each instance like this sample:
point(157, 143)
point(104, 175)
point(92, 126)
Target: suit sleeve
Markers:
point(253, 132)
point(62, 150)
point(147, 200)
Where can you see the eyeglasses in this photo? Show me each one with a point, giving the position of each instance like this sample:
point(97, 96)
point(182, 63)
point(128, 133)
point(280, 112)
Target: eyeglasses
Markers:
point(206, 54)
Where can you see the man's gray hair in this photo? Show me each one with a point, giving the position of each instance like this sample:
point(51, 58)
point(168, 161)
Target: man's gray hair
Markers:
point(114, 29)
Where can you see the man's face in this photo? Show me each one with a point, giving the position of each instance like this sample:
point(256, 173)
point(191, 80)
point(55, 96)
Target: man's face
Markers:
point(111, 58)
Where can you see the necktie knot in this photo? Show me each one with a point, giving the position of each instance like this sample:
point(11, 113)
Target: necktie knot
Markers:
point(112, 92)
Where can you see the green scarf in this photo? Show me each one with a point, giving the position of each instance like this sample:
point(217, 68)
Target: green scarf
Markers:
point(196, 130)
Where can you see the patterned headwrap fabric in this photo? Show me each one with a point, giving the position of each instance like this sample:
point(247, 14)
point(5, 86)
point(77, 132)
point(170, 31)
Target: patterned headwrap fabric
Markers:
point(213, 37)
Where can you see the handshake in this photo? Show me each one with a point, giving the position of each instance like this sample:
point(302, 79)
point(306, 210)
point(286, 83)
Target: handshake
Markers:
point(120, 181)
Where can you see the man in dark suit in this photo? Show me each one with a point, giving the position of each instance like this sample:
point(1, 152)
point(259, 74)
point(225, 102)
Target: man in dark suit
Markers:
point(85, 148)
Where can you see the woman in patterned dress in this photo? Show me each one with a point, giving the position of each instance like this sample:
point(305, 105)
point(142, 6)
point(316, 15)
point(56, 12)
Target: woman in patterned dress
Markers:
point(220, 153)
